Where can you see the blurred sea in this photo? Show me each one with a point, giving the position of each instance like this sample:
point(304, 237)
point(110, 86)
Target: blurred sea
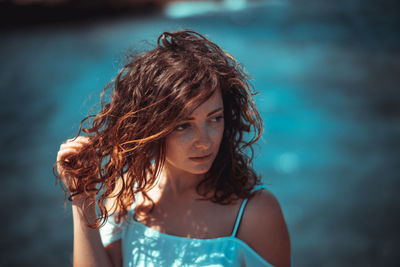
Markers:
point(328, 75)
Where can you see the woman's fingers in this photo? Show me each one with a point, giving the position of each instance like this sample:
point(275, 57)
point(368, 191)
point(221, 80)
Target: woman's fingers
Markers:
point(66, 160)
point(66, 151)
point(78, 142)
point(72, 146)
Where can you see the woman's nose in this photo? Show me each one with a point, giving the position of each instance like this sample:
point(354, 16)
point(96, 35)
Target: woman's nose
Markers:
point(203, 139)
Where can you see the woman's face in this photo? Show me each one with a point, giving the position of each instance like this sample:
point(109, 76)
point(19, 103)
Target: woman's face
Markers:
point(192, 147)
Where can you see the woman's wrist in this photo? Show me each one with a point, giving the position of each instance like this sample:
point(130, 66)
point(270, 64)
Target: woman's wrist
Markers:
point(84, 208)
point(80, 194)
point(82, 213)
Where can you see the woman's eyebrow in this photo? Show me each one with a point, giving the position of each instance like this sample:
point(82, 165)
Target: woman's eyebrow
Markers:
point(208, 115)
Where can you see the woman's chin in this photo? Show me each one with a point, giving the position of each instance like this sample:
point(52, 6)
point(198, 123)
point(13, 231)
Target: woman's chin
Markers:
point(200, 169)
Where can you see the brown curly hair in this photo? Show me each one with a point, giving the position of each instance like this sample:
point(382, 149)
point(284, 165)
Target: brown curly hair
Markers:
point(151, 95)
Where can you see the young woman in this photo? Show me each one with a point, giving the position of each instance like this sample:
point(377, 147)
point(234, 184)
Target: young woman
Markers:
point(164, 172)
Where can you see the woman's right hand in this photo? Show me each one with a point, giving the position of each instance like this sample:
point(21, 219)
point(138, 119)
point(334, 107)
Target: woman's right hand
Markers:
point(65, 156)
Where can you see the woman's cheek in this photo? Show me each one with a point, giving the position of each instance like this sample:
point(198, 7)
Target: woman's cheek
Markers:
point(186, 138)
point(218, 132)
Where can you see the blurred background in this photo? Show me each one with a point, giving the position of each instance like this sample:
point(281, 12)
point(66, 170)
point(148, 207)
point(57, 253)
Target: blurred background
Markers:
point(328, 75)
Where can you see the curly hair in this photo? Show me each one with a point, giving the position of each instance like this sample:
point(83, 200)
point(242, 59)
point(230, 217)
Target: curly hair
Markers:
point(150, 96)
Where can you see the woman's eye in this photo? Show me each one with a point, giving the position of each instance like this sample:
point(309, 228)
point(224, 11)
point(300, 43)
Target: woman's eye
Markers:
point(182, 126)
point(217, 118)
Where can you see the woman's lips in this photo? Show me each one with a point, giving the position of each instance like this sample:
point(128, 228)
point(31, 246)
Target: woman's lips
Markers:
point(201, 159)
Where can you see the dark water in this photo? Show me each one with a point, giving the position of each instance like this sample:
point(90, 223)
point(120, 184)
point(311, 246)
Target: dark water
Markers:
point(328, 76)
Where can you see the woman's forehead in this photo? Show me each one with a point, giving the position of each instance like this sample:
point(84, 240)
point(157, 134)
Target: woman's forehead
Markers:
point(211, 104)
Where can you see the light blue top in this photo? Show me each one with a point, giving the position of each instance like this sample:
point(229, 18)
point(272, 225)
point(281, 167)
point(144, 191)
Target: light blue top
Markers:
point(143, 246)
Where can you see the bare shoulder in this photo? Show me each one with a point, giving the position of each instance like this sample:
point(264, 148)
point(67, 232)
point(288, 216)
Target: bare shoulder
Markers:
point(263, 228)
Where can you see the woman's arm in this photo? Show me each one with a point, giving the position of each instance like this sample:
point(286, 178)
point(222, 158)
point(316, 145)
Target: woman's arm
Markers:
point(88, 247)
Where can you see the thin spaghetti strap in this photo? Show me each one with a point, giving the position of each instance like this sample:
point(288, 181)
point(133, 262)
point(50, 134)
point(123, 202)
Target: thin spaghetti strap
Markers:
point(241, 210)
point(239, 217)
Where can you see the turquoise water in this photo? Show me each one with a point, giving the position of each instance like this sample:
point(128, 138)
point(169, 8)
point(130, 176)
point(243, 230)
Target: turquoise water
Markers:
point(328, 82)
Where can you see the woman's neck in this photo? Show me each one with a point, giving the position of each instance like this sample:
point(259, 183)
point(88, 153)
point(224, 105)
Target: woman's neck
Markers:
point(177, 183)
